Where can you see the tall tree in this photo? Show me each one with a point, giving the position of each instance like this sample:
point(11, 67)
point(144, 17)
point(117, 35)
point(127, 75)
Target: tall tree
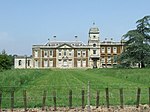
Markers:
point(137, 48)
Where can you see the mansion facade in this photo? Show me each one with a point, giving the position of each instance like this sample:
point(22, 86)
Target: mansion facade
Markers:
point(73, 54)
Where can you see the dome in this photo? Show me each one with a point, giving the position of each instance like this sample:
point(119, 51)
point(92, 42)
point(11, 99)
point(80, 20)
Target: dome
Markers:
point(94, 29)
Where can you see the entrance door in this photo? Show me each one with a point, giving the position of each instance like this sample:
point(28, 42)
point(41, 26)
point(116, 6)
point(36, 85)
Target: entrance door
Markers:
point(94, 63)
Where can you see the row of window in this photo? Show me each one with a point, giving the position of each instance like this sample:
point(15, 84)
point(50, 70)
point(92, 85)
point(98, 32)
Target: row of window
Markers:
point(46, 53)
point(60, 53)
point(79, 53)
point(46, 63)
point(109, 50)
point(61, 63)
point(109, 59)
point(70, 53)
point(21, 63)
point(65, 53)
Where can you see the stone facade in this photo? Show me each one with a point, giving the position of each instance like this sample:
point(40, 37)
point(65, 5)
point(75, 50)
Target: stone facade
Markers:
point(73, 54)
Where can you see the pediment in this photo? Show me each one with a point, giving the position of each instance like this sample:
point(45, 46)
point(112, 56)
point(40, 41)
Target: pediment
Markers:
point(65, 46)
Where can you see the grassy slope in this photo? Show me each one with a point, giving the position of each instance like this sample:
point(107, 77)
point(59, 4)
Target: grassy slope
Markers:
point(61, 81)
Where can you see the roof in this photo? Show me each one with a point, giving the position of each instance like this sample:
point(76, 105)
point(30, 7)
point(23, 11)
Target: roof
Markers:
point(94, 29)
point(20, 56)
point(71, 43)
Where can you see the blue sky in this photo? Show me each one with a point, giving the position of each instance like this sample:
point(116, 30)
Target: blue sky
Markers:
point(27, 22)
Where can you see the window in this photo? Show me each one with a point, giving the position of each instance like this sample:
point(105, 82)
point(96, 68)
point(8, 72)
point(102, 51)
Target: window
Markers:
point(65, 63)
point(109, 59)
point(84, 53)
point(51, 63)
point(108, 50)
point(94, 36)
point(45, 63)
point(59, 53)
point(103, 49)
point(103, 60)
point(59, 62)
point(79, 63)
point(79, 53)
point(51, 52)
point(115, 59)
point(70, 53)
point(94, 51)
point(70, 63)
point(20, 62)
point(36, 54)
point(65, 53)
point(115, 50)
point(94, 45)
point(84, 63)
point(45, 53)
point(36, 63)
point(28, 62)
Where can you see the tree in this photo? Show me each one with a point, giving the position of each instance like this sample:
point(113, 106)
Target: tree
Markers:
point(137, 46)
point(6, 61)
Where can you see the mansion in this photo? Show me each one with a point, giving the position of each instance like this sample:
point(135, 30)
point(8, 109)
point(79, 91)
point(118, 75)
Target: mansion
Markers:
point(73, 54)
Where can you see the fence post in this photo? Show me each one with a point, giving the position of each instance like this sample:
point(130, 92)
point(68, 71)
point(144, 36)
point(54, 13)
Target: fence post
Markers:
point(54, 99)
point(88, 97)
point(70, 99)
point(25, 100)
point(12, 100)
point(0, 101)
point(83, 99)
point(44, 99)
point(138, 97)
point(149, 95)
point(107, 97)
point(97, 99)
point(121, 97)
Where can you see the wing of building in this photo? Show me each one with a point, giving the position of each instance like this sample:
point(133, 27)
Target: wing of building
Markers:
point(73, 54)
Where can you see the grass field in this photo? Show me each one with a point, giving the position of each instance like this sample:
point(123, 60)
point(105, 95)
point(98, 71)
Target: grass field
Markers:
point(62, 80)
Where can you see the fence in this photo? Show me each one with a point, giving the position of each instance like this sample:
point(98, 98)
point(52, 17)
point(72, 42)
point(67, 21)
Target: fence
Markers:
point(83, 97)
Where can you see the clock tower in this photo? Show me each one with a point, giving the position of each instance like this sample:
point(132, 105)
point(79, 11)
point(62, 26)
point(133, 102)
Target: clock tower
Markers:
point(94, 44)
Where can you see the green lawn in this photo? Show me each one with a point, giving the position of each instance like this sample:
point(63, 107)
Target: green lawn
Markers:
point(63, 80)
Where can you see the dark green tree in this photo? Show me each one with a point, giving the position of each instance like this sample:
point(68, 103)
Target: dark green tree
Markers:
point(6, 61)
point(137, 46)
